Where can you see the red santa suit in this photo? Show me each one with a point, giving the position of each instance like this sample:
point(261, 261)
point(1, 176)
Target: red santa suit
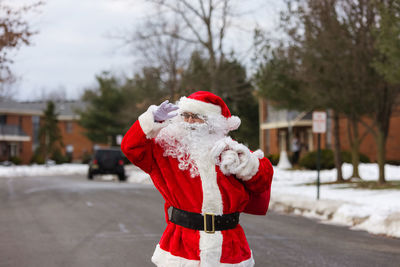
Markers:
point(213, 190)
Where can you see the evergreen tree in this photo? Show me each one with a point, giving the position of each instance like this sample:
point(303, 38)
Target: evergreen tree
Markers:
point(102, 117)
point(387, 64)
point(49, 133)
point(278, 81)
point(388, 41)
point(144, 89)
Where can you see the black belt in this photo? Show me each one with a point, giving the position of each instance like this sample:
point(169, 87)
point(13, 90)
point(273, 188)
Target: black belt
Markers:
point(207, 222)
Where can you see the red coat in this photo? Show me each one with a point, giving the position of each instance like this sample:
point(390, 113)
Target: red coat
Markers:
point(211, 191)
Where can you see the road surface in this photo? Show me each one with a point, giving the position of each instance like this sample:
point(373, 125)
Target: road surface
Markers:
point(69, 221)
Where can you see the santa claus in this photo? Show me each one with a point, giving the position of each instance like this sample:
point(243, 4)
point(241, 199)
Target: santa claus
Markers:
point(206, 178)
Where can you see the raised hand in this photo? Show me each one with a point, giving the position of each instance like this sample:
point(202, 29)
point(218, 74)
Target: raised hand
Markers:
point(165, 111)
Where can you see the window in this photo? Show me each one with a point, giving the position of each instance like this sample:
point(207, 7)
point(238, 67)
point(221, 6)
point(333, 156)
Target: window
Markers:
point(68, 126)
point(36, 127)
point(3, 149)
point(3, 119)
point(13, 150)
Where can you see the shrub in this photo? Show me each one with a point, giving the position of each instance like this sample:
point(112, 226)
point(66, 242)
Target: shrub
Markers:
point(346, 157)
point(59, 158)
point(37, 158)
point(16, 160)
point(309, 160)
point(273, 158)
point(393, 162)
point(86, 157)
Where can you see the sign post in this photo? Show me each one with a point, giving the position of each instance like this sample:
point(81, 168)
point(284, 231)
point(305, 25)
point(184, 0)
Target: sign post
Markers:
point(319, 126)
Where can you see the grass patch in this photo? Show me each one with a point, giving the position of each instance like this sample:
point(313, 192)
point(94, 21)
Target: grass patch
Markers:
point(363, 185)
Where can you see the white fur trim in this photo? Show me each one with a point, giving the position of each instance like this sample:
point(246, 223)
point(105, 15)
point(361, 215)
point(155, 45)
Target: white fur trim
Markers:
point(259, 153)
point(149, 126)
point(233, 123)
point(212, 199)
point(210, 244)
point(199, 107)
point(162, 258)
point(210, 249)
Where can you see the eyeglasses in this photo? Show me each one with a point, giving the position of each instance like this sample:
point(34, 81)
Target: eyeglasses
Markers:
point(194, 116)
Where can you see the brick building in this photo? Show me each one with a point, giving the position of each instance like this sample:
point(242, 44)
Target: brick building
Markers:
point(277, 128)
point(20, 123)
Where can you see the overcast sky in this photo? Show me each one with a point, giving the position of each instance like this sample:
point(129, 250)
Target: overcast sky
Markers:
point(73, 43)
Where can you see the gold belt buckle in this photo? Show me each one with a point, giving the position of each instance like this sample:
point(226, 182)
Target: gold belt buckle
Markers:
point(212, 223)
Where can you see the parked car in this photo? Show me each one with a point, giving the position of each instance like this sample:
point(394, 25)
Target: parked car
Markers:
point(107, 161)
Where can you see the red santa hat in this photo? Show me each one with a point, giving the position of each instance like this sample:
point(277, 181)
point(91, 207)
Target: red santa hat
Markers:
point(208, 104)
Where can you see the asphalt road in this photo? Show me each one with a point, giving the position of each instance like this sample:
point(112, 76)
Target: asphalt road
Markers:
point(69, 221)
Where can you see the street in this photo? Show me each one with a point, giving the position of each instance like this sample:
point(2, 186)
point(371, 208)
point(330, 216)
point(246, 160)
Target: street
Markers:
point(70, 221)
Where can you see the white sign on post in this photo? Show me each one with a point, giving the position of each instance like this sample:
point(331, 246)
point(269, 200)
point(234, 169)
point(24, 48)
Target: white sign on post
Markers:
point(319, 122)
point(119, 139)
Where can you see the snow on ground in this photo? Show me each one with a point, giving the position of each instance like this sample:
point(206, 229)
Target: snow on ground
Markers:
point(43, 170)
point(376, 211)
point(135, 175)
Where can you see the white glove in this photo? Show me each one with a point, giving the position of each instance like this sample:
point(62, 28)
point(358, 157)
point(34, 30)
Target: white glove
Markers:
point(229, 162)
point(165, 111)
point(235, 158)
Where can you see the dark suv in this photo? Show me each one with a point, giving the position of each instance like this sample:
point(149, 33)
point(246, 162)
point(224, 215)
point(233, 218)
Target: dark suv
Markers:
point(107, 161)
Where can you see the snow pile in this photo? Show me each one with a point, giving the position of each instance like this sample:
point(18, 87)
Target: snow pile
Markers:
point(376, 211)
point(43, 170)
point(136, 175)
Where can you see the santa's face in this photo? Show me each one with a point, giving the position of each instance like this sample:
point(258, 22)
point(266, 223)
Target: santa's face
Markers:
point(189, 137)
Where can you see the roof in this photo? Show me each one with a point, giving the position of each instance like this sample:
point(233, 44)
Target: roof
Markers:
point(64, 108)
point(283, 118)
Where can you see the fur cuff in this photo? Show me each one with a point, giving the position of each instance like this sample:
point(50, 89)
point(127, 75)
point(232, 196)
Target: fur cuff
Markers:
point(149, 126)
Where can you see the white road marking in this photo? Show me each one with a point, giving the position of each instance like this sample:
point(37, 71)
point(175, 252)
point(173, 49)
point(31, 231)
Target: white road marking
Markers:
point(122, 228)
point(89, 204)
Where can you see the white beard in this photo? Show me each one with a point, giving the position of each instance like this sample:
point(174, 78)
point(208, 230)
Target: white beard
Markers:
point(189, 142)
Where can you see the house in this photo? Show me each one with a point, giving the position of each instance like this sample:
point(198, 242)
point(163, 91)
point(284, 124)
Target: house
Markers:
point(20, 124)
point(279, 126)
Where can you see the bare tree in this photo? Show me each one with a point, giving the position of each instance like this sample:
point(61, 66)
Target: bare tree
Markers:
point(386, 64)
point(348, 51)
point(332, 62)
point(201, 24)
point(164, 52)
point(15, 32)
